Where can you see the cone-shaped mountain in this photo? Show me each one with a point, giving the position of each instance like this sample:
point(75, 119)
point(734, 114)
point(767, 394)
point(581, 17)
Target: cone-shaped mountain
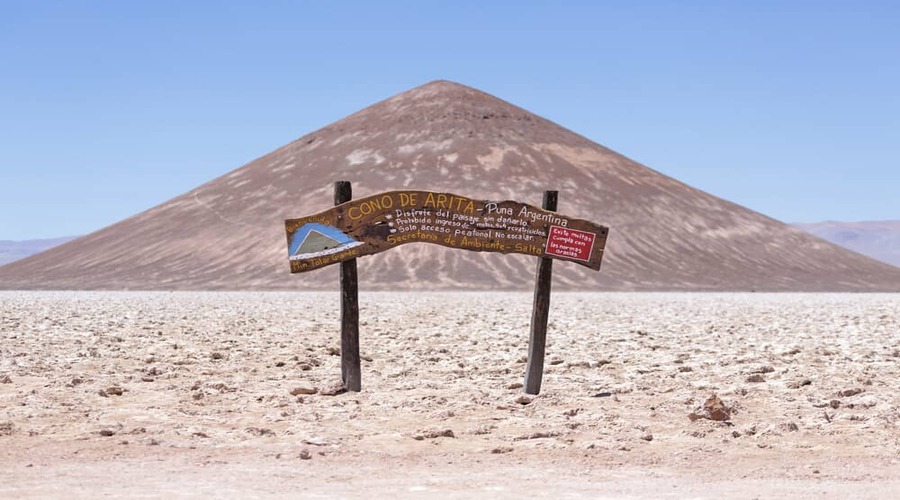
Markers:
point(664, 235)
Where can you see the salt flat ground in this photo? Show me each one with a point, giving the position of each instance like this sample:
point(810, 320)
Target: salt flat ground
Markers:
point(221, 395)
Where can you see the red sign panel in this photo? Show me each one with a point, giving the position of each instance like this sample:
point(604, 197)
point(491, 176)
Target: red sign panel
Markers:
point(570, 243)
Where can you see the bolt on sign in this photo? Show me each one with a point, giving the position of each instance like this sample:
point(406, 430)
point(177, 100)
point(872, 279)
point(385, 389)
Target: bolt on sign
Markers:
point(382, 221)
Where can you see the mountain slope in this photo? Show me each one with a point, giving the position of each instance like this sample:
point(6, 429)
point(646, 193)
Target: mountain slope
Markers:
point(11, 251)
point(877, 239)
point(665, 235)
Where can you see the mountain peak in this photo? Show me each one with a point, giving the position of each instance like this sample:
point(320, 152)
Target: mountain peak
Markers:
point(447, 137)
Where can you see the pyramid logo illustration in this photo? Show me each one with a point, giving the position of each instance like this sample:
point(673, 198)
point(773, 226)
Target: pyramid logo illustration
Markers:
point(317, 240)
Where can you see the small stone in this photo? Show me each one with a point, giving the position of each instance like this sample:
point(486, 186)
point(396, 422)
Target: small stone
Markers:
point(4, 379)
point(303, 389)
point(107, 432)
point(260, 431)
point(501, 449)
point(685, 369)
point(525, 399)
point(756, 378)
point(835, 403)
point(115, 391)
point(716, 409)
point(789, 427)
point(647, 437)
point(557, 361)
point(846, 393)
point(305, 454)
point(305, 367)
point(799, 383)
point(334, 390)
point(333, 351)
point(735, 434)
point(316, 441)
point(434, 433)
point(216, 356)
point(515, 385)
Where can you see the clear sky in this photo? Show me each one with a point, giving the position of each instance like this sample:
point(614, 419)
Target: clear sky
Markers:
point(790, 108)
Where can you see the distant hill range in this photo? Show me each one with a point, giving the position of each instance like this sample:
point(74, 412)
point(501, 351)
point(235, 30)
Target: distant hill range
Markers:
point(11, 251)
point(228, 234)
point(877, 239)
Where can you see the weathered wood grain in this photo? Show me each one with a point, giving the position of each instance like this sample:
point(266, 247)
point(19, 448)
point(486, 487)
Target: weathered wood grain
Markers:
point(350, 369)
point(382, 221)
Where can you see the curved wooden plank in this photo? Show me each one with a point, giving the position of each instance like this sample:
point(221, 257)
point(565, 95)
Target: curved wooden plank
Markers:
point(382, 221)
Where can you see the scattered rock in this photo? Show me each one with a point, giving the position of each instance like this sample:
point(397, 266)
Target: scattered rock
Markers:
point(835, 403)
point(788, 427)
point(799, 383)
point(537, 435)
point(7, 428)
point(716, 409)
point(260, 431)
point(317, 441)
point(685, 369)
point(216, 356)
point(713, 409)
point(200, 434)
point(303, 389)
point(334, 390)
point(557, 361)
point(756, 378)
point(501, 449)
point(4, 379)
point(846, 393)
point(432, 434)
point(305, 454)
point(107, 432)
point(333, 351)
point(111, 391)
point(525, 399)
point(515, 385)
point(603, 395)
point(572, 412)
point(647, 437)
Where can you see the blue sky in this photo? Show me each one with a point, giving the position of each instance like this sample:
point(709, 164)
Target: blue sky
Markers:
point(109, 108)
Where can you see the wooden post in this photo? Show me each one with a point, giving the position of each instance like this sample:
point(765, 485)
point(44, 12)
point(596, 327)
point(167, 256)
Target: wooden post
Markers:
point(350, 372)
point(534, 369)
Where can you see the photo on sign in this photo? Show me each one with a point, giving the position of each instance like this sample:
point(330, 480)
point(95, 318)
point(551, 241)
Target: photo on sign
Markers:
point(317, 240)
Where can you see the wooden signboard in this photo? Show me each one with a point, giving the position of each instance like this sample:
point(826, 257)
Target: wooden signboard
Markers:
point(354, 228)
point(379, 222)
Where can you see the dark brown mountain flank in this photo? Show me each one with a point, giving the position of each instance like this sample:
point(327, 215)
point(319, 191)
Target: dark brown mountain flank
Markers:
point(665, 235)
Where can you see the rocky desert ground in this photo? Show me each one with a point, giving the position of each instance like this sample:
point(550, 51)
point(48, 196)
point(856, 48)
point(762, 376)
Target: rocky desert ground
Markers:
point(168, 395)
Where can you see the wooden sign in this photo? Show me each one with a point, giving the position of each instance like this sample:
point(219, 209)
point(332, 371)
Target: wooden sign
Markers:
point(379, 222)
